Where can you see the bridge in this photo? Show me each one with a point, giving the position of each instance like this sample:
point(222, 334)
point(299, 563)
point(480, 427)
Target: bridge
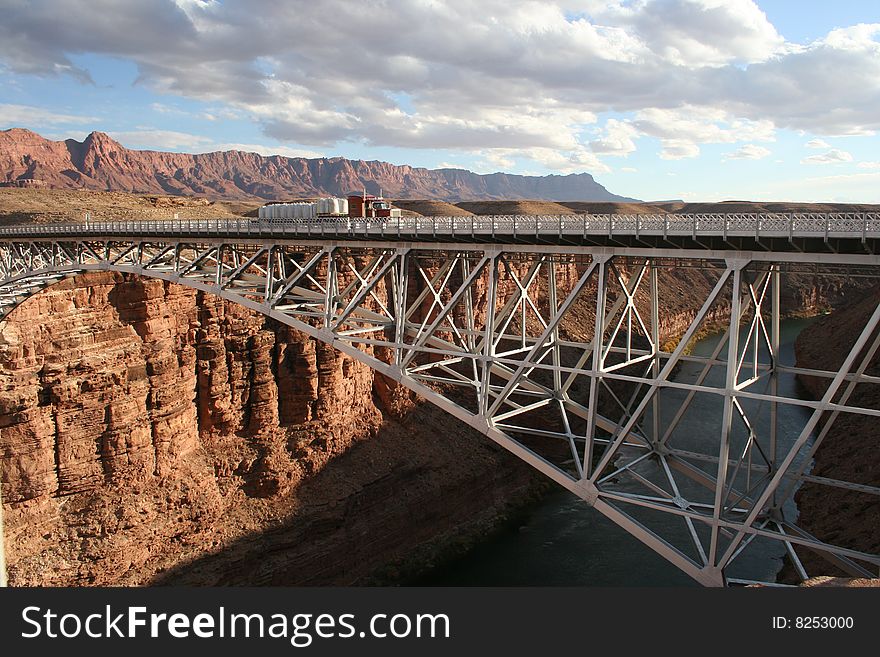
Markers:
point(546, 335)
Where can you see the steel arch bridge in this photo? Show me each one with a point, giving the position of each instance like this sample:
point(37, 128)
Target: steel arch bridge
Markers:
point(544, 334)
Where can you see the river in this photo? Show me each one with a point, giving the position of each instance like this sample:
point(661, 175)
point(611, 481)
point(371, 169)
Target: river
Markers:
point(562, 542)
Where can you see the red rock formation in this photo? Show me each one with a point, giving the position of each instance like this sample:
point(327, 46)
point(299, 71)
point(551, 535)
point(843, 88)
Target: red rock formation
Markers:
point(100, 163)
point(143, 424)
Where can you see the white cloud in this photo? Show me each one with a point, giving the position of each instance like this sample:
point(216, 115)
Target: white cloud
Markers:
point(800, 89)
point(577, 160)
point(681, 131)
point(868, 165)
point(678, 149)
point(628, 170)
point(855, 37)
point(154, 139)
point(834, 156)
point(702, 124)
point(18, 115)
point(260, 149)
point(160, 140)
point(498, 160)
point(227, 113)
point(162, 108)
point(748, 152)
point(617, 139)
point(817, 143)
point(679, 30)
point(475, 76)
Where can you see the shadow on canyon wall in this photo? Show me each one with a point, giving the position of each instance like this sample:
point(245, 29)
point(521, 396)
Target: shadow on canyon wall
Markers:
point(388, 508)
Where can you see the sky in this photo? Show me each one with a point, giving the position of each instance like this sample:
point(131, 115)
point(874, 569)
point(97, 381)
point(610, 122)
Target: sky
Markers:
point(657, 99)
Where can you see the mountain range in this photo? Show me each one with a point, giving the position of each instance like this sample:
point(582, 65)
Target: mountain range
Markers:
point(101, 163)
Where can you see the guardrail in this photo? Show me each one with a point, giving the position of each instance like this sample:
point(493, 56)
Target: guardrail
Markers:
point(837, 225)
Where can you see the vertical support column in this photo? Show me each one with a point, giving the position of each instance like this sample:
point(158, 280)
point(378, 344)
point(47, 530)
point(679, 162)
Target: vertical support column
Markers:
point(522, 303)
point(488, 338)
point(774, 362)
point(218, 275)
point(470, 340)
point(554, 336)
point(401, 282)
point(630, 308)
point(655, 339)
point(270, 272)
point(330, 289)
point(280, 265)
point(596, 363)
point(727, 414)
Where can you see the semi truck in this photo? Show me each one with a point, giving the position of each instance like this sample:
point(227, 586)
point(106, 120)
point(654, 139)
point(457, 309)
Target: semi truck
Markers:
point(323, 208)
point(356, 206)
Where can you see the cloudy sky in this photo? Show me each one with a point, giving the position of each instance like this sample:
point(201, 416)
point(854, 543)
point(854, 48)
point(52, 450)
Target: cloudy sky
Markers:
point(658, 99)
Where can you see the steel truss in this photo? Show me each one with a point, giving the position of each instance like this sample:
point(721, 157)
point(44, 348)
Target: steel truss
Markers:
point(557, 354)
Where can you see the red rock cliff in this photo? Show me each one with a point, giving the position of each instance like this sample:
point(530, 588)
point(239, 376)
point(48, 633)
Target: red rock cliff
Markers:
point(143, 424)
point(100, 163)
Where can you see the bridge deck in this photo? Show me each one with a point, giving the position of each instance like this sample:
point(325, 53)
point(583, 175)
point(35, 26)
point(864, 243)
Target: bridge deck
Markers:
point(856, 233)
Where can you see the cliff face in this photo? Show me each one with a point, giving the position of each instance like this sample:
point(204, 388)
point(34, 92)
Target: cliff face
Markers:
point(144, 425)
point(849, 451)
point(100, 163)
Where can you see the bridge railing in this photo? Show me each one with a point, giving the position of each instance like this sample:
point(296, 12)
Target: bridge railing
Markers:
point(848, 224)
